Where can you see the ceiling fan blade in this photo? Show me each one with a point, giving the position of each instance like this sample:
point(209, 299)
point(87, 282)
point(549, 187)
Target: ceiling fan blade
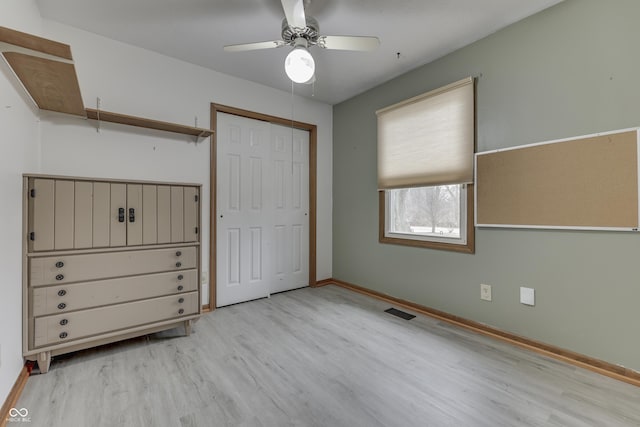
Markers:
point(294, 12)
point(254, 46)
point(362, 43)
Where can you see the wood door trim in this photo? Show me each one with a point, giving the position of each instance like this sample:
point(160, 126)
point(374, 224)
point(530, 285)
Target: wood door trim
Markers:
point(313, 165)
point(602, 367)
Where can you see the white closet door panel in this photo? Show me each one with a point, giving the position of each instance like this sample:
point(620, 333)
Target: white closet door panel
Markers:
point(83, 226)
point(243, 218)
point(290, 162)
point(101, 220)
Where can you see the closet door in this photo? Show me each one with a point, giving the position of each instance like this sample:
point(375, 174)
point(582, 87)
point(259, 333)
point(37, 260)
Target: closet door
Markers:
point(244, 219)
point(177, 214)
point(290, 163)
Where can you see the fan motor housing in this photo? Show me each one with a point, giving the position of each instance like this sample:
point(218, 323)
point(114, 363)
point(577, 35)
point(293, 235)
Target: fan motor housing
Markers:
point(311, 32)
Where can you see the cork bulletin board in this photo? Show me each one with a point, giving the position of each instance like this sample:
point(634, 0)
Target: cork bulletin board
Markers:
point(589, 182)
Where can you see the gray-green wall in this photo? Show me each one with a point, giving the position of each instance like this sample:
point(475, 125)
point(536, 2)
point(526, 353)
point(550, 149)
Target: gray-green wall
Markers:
point(570, 70)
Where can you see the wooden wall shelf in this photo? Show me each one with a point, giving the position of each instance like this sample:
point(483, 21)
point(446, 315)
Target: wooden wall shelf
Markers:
point(107, 116)
point(45, 69)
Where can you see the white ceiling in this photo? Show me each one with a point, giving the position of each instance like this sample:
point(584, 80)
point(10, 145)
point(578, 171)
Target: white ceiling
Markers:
point(196, 30)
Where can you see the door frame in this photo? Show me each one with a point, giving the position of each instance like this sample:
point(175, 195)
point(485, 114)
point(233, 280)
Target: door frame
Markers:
point(213, 211)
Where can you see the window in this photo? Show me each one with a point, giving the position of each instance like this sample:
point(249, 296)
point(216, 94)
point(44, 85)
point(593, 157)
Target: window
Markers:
point(425, 169)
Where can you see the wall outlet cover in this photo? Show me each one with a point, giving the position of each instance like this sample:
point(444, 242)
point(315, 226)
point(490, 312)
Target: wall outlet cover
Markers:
point(527, 296)
point(485, 292)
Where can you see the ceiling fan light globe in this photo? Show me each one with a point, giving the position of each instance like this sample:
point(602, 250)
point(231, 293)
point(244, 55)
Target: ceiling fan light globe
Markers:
point(299, 65)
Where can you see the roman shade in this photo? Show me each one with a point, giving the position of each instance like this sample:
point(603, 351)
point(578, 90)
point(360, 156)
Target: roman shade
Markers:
point(429, 139)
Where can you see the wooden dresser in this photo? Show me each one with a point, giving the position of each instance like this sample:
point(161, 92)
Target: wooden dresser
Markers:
point(106, 260)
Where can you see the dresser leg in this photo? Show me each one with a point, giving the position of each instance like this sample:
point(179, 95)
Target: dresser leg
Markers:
point(44, 360)
point(187, 327)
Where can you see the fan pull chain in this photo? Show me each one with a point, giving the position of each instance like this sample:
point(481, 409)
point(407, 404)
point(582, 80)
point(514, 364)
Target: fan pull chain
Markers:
point(291, 127)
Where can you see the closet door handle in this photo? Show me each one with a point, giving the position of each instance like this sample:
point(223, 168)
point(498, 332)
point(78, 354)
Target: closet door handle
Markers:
point(120, 214)
point(132, 215)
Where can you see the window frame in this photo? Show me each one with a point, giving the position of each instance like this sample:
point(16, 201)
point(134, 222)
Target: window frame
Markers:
point(426, 241)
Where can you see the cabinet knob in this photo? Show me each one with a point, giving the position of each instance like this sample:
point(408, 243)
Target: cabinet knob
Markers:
point(64, 322)
point(178, 264)
point(180, 287)
point(62, 293)
point(59, 264)
point(180, 277)
point(181, 311)
point(62, 306)
point(178, 253)
point(63, 335)
point(59, 276)
point(181, 300)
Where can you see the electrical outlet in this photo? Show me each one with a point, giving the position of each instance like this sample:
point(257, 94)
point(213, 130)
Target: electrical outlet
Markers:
point(204, 278)
point(485, 292)
point(527, 296)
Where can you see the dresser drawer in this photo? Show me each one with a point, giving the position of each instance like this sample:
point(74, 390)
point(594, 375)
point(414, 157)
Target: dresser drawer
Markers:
point(54, 270)
point(65, 327)
point(77, 296)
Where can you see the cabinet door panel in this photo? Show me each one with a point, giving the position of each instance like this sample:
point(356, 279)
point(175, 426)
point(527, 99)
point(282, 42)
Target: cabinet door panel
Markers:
point(64, 214)
point(118, 228)
point(42, 219)
point(149, 215)
point(164, 214)
point(101, 220)
point(177, 214)
point(83, 226)
point(191, 202)
point(134, 214)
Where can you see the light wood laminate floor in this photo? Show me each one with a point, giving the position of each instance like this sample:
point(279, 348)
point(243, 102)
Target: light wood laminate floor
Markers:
point(322, 357)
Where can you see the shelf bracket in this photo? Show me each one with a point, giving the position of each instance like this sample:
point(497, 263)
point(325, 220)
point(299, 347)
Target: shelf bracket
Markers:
point(98, 114)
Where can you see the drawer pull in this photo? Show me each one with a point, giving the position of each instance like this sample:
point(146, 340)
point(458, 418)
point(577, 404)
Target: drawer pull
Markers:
point(178, 264)
point(62, 306)
point(178, 253)
point(180, 287)
point(64, 322)
point(63, 335)
point(59, 276)
point(62, 293)
point(181, 300)
point(181, 311)
point(59, 264)
point(180, 277)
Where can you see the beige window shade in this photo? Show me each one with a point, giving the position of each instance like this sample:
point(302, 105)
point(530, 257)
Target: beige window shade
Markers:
point(429, 139)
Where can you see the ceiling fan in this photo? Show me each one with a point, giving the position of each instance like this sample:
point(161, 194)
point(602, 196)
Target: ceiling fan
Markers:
point(302, 32)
